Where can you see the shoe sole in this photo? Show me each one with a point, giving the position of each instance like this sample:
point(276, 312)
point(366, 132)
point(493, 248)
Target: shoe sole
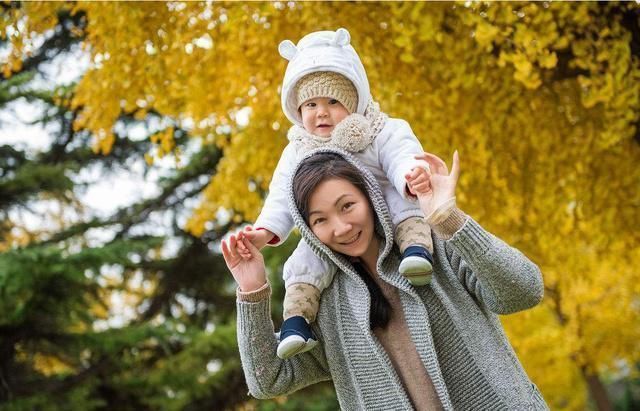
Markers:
point(417, 270)
point(294, 345)
point(419, 279)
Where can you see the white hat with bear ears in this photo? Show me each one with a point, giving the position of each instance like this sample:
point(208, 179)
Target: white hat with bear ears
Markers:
point(321, 51)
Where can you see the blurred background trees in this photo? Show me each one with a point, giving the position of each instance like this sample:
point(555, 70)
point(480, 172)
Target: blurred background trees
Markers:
point(174, 118)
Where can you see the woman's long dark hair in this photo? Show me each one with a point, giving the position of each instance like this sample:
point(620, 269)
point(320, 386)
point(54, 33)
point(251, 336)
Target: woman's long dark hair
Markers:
point(313, 171)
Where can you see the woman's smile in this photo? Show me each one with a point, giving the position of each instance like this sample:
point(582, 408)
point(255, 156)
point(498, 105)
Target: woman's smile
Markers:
point(352, 240)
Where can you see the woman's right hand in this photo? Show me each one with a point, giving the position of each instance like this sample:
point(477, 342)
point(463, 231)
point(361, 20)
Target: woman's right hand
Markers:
point(439, 185)
point(245, 262)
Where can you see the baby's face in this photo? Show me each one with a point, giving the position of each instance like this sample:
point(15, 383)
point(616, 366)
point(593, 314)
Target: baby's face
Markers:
point(320, 115)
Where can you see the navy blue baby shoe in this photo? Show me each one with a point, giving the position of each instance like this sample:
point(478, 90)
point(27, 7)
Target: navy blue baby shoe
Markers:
point(295, 337)
point(416, 265)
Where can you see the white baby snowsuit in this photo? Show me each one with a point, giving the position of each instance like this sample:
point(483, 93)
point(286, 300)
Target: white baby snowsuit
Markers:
point(387, 148)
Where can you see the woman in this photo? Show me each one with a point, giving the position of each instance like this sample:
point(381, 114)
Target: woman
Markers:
point(387, 344)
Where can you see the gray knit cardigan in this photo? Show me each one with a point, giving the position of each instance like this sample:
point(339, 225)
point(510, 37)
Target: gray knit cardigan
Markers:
point(453, 323)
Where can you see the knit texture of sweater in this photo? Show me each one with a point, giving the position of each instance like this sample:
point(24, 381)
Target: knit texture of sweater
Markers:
point(453, 323)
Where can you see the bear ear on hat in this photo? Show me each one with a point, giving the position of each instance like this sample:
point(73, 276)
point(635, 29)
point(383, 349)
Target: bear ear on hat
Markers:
point(287, 49)
point(342, 37)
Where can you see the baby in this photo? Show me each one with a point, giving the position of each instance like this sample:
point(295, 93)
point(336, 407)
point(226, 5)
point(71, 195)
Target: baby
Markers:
point(325, 94)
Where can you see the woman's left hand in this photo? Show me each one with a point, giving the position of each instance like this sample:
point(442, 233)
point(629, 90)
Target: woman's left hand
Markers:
point(441, 185)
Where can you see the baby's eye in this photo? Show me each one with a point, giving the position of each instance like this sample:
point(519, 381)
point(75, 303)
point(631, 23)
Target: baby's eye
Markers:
point(333, 101)
point(310, 104)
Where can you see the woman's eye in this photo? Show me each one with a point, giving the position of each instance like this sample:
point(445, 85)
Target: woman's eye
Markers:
point(317, 221)
point(347, 206)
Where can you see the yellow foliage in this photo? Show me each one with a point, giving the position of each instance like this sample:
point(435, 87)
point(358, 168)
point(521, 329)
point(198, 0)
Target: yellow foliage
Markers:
point(50, 365)
point(44, 363)
point(164, 143)
point(541, 100)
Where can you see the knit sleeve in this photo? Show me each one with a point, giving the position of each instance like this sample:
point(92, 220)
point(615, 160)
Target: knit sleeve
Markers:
point(498, 275)
point(267, 375)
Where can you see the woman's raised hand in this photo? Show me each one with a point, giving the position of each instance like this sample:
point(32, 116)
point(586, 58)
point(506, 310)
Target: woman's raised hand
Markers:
point(441, 185)
point(245, 262)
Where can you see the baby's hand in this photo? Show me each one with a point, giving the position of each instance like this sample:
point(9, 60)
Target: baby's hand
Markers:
point(259, 238)
point(418, 181)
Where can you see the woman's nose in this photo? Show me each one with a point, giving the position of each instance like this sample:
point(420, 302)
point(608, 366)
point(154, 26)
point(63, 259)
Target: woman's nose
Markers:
point(342, 228)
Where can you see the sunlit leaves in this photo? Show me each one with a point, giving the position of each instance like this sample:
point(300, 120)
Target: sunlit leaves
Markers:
point(541, 99)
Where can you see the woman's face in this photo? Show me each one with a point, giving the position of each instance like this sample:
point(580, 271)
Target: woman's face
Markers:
point(341, 217)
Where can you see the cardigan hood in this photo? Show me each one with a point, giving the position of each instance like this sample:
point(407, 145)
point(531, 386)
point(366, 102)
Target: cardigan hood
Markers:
point(383, 225)
point(321, 51)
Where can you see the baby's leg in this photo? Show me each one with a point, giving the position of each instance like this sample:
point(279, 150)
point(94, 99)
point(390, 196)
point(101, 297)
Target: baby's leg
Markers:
point(414, 231)
point(301, 299)
point(413, 237)
point(305, 276)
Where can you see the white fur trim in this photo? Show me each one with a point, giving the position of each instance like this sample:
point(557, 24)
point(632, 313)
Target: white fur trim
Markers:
point(353, 134)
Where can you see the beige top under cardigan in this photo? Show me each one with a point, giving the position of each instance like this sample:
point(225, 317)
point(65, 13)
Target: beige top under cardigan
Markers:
point(396, 339)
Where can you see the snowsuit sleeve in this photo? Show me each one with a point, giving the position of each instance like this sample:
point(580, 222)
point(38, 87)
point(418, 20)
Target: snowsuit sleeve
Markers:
point(275, 215)
point(397, 146)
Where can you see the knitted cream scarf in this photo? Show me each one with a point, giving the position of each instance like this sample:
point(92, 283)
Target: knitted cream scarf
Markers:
point(353, 134)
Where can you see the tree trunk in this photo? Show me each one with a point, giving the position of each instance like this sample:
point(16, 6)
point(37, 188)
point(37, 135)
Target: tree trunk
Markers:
point(597, 391)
